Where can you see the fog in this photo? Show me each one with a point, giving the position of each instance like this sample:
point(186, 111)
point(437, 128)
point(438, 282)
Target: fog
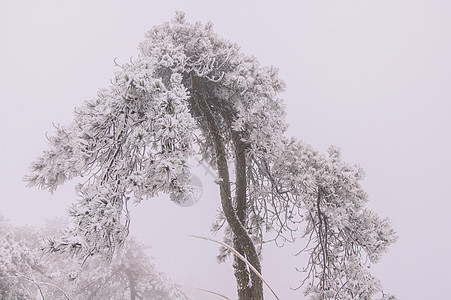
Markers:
point(370, 77)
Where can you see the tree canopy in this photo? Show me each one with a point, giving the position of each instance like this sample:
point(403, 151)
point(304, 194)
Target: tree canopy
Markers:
point(192, 93)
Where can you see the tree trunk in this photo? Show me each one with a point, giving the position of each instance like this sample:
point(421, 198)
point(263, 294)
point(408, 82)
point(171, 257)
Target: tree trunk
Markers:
point(235, 215)
point(132, 284)
point(241, 269)
point(241, 209)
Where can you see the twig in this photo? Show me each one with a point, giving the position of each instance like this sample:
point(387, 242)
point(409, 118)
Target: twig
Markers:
point(240, 257)
point(214, 293)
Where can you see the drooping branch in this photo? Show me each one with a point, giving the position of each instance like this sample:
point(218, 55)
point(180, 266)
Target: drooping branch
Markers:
point(322, 236)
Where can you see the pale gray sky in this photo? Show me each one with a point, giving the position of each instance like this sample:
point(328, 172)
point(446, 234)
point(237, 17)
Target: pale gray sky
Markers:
point(372, 77)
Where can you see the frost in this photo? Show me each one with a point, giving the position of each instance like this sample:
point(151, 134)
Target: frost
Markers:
point(218, 180)
point(192, 93)
point(26, 270)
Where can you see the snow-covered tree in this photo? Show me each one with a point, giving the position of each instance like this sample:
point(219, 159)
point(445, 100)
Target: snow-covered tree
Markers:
point(26, 270)
point(192, 93)
point(16, 262)
point(129, 275)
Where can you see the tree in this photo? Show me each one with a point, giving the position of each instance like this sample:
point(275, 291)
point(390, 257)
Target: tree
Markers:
point(192, 93)
point(16, 260)
point(129, 275)
point(27, 271)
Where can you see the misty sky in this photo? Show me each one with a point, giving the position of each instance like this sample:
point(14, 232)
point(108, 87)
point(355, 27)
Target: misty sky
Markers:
point(372, 77)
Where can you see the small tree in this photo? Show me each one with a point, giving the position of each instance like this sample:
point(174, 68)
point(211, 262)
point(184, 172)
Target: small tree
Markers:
point(16, 261)
point(190, 93)
point(27, 271)
point(129, 275)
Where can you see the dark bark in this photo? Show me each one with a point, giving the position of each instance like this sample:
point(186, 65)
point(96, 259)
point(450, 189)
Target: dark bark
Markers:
point(234, 214)
point(242, 212)
point(245, 290)
point(132, 284)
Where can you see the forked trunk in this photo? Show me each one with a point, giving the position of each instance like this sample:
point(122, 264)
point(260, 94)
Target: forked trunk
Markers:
point(250, 287)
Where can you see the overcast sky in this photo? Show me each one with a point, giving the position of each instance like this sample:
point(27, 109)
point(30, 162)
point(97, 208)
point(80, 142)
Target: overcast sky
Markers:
point(372, 77)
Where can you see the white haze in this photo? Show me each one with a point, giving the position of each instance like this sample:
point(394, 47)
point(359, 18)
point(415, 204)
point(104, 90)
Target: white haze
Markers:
point(372, 77)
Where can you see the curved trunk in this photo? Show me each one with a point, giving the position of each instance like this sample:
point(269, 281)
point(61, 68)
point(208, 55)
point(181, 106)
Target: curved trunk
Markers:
point(235, 216)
